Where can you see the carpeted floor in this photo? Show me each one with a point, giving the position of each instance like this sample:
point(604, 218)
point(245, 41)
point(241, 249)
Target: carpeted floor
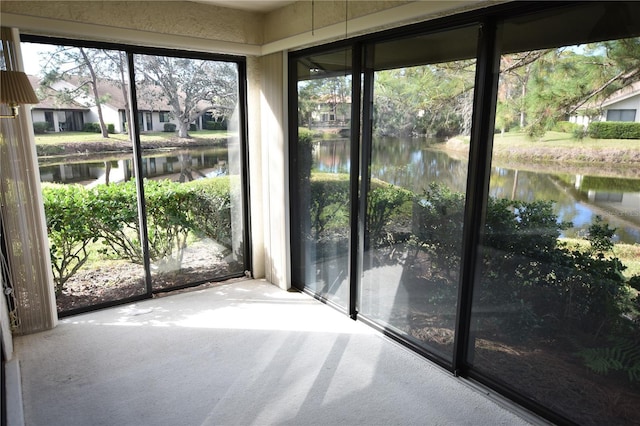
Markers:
point(246, 353)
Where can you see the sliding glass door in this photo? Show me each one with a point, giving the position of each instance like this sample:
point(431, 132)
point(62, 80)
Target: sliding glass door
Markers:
point(320, 181)
point(146, 206)
point(555, 306)
point(486, 212)
point(193, 195)
point(422, 97)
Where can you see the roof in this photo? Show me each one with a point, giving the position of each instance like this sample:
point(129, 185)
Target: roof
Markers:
point(626, 92)
point(49, 98)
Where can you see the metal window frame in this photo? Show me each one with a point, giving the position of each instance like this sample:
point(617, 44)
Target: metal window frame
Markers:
point(131, 50)
point(480, 157)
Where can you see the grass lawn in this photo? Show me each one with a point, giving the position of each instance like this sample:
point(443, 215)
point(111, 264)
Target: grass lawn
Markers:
point(559, 140)
point(556, 147)
point(84, 137)
point(554, 140)
point(629, 254)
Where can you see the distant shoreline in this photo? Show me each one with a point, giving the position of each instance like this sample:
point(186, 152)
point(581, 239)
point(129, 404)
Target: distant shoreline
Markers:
point(115, 146)
point(541, 157)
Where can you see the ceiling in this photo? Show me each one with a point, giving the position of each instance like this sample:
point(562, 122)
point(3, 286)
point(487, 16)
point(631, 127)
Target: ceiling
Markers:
point(261, 6)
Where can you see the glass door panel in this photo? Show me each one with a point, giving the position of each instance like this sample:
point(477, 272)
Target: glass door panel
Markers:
point(422, 106)
point(320, 176)
point(555, 308)
point(85, 159)
point(193, 190)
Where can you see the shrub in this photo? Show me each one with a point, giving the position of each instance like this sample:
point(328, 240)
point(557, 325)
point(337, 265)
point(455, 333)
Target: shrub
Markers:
point(528, 278)
point(329, 204)
point(210, 208)
point(383, 202)
point(115, 220)
point(77, 217)
point(614, 130)
point(305, 136)
point(192, 127)
point(535, 131)
point(39, 127)
point(111, 128)
point(437, 224)
point(92, 128)
point(169, 127)
point(68, 215)
point(579, 133)
point(216, 125)
point(168, 221)
point(565, 127)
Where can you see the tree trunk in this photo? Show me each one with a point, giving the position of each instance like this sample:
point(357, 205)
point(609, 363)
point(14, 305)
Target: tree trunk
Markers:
point(183, 130)
point(96, 95)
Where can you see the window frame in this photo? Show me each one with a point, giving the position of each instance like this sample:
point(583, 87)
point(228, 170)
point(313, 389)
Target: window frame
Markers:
point(490, 48)
point(130, 50)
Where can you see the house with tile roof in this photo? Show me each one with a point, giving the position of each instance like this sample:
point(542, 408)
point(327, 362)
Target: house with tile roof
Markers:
point(65, 107)
point(622, 105)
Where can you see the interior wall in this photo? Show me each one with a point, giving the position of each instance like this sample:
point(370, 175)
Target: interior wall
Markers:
point(256, 183)
point(305, 23)
point(302, 15)
point(170, 24)
point(274, 168)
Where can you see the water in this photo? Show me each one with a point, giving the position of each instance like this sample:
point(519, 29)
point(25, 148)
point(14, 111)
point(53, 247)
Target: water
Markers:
point(408, 163)
point(181, 165)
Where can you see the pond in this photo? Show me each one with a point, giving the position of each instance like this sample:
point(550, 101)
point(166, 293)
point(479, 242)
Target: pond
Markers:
point(409, 163)
point(413, 164)
point(178, 165)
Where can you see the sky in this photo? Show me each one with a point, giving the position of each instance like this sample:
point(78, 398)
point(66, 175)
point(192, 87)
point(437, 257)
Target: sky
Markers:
point(31, 57)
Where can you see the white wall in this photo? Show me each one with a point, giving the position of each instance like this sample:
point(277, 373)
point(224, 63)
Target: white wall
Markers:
point(630, 103)
point(37, 116)
point(274, 168)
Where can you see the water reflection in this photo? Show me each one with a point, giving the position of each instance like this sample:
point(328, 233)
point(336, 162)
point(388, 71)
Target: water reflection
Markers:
point(412, 164)
point(178, 166)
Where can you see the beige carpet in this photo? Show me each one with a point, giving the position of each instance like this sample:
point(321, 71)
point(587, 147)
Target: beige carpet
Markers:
point(245, 353)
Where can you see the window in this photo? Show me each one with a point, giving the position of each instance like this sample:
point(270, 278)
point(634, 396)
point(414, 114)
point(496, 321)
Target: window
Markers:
point(621, 115)
point(148, 119)
point(164, 116)
point(48, 118)
point(439, 215)
point(194, 227)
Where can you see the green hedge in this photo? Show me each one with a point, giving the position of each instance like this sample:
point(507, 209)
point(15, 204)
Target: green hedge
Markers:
point(566, 127)
point(39, 127)
point(108, 215)
point(614, 130)
point(216, 125)
point(95, 128)
point(169, 127)
point(69, 228)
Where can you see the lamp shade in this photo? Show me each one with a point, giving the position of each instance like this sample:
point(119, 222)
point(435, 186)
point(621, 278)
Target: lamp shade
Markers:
point(15, 89)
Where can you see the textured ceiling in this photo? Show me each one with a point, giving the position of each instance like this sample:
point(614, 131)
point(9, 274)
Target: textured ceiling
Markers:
point(262, 6)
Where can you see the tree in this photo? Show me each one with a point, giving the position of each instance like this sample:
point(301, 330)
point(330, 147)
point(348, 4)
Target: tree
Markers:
point(331, 93)
point(551, 84)
point(87, 66)
point(190, 87)
point(434, 99)
point(119, 59)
